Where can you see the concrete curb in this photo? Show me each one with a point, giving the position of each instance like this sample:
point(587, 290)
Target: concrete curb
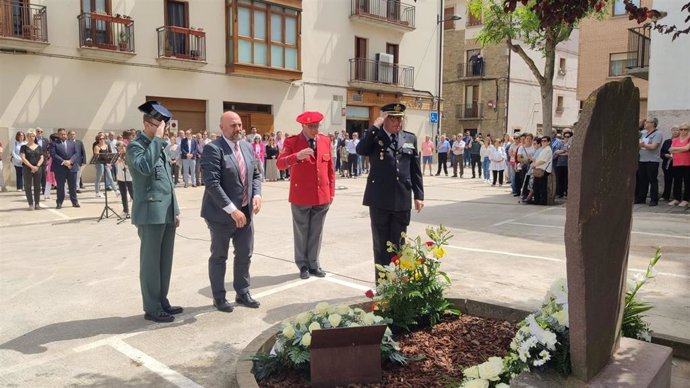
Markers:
point(264, 342)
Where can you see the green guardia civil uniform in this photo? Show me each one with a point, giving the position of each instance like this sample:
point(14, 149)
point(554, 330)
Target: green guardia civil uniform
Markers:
point(154, 208)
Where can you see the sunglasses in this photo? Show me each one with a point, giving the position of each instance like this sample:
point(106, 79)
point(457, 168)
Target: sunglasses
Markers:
point(684, 129)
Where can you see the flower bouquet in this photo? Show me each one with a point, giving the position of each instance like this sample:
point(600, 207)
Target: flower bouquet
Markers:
point(410, 289)
point(292, 347)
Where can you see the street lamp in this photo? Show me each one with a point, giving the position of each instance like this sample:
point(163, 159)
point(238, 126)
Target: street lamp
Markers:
point(440, 20)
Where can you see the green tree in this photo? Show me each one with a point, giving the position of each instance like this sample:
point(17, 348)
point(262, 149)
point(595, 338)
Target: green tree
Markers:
point(523, 26)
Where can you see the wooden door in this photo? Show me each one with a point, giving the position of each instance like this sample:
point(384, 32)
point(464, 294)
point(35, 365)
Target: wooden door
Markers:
point(360, 59)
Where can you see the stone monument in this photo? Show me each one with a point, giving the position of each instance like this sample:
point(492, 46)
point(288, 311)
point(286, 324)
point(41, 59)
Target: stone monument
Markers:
point(602, 165)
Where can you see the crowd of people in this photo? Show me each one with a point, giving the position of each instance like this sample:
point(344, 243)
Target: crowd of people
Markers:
point(522, 161)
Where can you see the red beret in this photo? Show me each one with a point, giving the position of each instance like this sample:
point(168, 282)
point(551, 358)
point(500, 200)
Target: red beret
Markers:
point(309, 118)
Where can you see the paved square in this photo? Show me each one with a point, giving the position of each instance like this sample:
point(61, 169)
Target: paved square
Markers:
point(69, 286)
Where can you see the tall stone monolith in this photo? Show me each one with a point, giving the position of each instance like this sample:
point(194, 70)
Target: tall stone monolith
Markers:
point(602, 165)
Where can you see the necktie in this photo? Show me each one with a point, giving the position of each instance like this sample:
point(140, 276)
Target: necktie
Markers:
point(394, 141)
point(243, 174)
point(312, 144)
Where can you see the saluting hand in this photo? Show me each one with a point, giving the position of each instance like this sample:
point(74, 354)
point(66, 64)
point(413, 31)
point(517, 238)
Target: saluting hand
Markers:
point(378, 122)
point(160, 129)
point(305, 153)
point(239, 218)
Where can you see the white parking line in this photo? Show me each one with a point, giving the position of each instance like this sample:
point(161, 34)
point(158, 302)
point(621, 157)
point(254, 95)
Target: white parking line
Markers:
point(633, 232)
point(153, 365)
point(554, 259)
point(345, 283)
point(59, 214)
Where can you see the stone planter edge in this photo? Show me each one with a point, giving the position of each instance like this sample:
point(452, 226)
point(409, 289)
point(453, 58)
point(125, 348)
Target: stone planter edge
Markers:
point(264, 341)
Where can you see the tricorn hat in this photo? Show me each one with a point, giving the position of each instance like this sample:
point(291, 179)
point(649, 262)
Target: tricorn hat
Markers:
point(155, 110)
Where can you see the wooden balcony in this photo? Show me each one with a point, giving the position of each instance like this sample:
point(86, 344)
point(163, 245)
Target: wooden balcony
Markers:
point(23, 26)
point(384, 13)
point(181, 47)
point(373, 74)
point(107, 37)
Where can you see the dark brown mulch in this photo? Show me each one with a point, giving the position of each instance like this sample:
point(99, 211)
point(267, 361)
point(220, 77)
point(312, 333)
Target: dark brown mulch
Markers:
point(442, 353)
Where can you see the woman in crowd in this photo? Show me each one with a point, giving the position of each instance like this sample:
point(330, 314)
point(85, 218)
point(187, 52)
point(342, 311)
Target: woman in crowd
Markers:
point(19, 141)
point(512, 160)
point(100, 147)
point(271, 158)
point(174, 157)
point(680, 149)
point(124, 179)
point(507, 145)
point(561, 161)
point(259, 153)
point(543, 162)
point(31, 155)
point(484, 154)
point(497, 157)
point(344, 163)
point(667, 164)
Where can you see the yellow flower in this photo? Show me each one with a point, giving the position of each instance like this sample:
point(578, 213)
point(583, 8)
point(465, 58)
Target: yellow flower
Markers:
point(306, 339)
point(314, 326)
point(407, 263)
point(439, 252)
point(343, 309)
point(303, 318)
point(288, 331)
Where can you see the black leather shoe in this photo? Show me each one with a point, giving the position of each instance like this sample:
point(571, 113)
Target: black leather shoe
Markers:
point(58, 206)
point(653, 203)
point(319, 273)
point(247, 300)
point(222, 305)
point(160, 316)
point(173, 309)
point(76, 204)
point(304, 273)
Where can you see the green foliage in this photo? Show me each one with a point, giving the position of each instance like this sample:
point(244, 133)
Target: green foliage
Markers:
point(410, 289)
point(633, 326)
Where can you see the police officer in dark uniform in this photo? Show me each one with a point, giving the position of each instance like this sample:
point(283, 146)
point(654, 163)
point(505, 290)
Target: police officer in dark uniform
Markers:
point(395, 174)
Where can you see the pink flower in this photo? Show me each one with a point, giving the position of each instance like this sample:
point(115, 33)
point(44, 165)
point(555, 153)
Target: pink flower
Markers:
point(395, 260)
point(430, 243)
point(369, 294)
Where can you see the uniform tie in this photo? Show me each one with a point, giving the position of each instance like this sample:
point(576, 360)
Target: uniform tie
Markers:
point(243, 173)
point(394, 141)
point(312, 144)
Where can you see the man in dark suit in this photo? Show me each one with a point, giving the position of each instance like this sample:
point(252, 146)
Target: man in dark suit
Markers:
point(188, 154)
point(72, 136)
point(395, 176)
point(232, 195)
point(65, 165)
point(154, 212)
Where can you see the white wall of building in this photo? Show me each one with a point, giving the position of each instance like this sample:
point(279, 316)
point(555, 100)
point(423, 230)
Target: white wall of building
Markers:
point(669, 80)
point(524, 110)
point(60, 88)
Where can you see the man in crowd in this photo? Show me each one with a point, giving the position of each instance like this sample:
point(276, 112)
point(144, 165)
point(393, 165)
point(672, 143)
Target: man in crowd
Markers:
point(458, 151)
point(254, 132)
point(352, 157)
point(154, 212)
point(188, 154)
point(72, 136)
point(395, 176)
point(312, 188)
point(442, 150)
point(66, 157)
point(468, 145)
point(232, 196)
point(475, 153)
point(648, 165)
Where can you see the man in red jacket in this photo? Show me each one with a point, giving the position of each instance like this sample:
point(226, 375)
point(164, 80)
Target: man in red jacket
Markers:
point(312, 188)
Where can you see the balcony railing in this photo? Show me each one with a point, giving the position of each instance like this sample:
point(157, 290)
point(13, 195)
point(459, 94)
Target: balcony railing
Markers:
point(470, 110)
point(182, 43)
point(619, 63)
point(639, 39)
point(23, 21)
point(369, 70)
point(106, 32)
point(470, 70)
point(391, 11)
